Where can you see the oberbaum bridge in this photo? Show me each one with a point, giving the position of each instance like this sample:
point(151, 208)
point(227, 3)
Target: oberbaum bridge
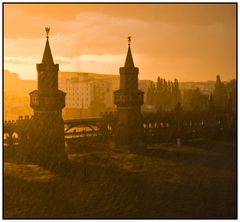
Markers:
point(43, 136)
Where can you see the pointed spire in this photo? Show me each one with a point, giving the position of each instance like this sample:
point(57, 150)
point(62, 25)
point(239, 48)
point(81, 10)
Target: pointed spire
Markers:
point(47, 55)
point(129, 60)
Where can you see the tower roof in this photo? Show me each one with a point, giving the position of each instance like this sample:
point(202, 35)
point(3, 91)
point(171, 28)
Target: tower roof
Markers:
point(129, 60)
point(47, 55)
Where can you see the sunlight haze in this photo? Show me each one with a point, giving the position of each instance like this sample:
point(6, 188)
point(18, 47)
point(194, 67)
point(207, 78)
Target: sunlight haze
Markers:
point(188, 42)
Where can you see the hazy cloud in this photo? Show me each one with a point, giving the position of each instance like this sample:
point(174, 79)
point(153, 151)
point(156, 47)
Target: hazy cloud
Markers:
point(195, 40)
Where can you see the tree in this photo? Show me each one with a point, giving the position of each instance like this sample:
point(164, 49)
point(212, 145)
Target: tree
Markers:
point(198, 100)
point(220, 94)
point(176, 94)
point(158, 94)
point(150, 100)
point(195, 100)
point(211, 105)
point(164, 95)
point(232, 93)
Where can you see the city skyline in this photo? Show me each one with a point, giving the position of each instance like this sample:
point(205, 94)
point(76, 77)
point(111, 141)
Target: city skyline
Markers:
point(187, 42)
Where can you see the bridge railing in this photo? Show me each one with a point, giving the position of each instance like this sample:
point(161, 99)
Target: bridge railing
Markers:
point(158, 127)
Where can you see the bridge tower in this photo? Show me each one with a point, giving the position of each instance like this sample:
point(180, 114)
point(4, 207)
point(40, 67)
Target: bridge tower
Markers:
point(129, 126)
point(48, 146)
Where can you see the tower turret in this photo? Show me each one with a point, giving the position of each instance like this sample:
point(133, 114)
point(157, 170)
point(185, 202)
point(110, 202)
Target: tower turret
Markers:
point(129, 98)
point(47, 101)
point(47, 97)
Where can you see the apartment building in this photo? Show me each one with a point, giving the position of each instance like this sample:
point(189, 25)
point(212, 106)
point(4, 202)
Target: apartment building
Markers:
point(81, 90)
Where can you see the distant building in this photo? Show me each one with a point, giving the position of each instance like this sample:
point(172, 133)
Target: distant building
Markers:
point(81, 93)
point(205, 87)
point(14, 86)
point(80, 90)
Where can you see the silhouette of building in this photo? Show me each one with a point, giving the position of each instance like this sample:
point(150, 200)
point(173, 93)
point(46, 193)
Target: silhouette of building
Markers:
point(129, 126)
point(47, 101)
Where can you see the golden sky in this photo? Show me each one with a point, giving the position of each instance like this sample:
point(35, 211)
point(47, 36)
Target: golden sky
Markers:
point(190, 42)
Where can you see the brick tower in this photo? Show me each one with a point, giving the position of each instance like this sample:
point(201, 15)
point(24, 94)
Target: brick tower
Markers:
point(129, 127)
point(48, 147)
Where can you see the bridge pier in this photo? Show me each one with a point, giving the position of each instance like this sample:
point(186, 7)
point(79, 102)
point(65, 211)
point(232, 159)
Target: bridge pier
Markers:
point(47, 144)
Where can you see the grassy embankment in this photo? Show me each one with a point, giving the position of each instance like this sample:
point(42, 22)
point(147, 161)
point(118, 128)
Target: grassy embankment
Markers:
point(196, 180)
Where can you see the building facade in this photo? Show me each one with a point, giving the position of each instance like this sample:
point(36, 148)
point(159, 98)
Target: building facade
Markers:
point(82, 90)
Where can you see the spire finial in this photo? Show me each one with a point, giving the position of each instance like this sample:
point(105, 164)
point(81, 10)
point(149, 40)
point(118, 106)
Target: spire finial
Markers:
point(47, 55)
point(47, 29)
point(129, 40)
